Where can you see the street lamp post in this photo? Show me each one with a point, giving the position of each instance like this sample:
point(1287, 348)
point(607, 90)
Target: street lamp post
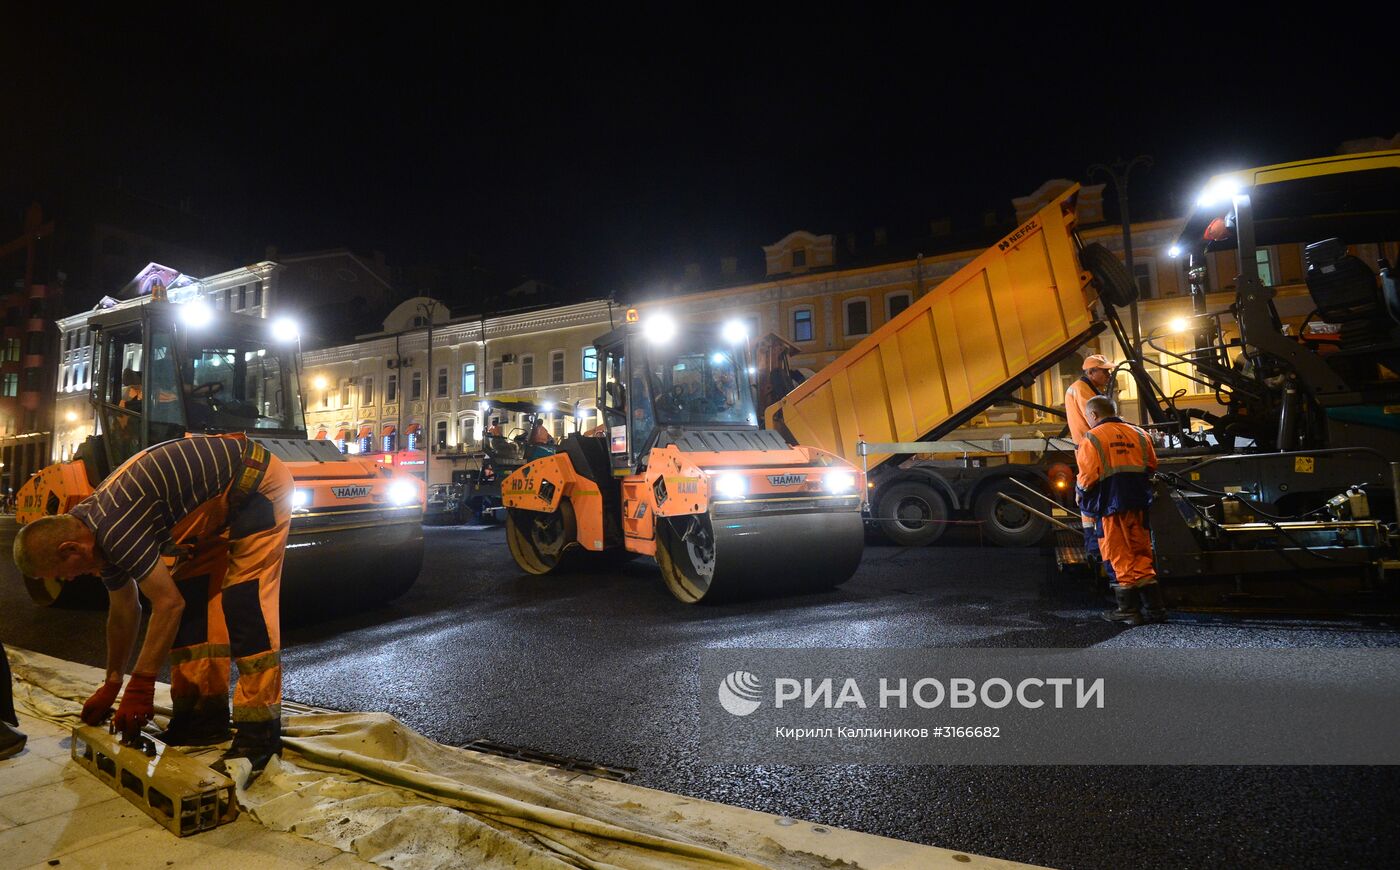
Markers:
point(1118, 173)
point(428, 309)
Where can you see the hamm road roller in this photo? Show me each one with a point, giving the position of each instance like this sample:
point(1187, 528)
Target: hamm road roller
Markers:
point(681, 471)
point(164, 370)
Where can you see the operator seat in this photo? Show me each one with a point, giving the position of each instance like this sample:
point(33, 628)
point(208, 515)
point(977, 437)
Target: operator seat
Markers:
point(1345, 291)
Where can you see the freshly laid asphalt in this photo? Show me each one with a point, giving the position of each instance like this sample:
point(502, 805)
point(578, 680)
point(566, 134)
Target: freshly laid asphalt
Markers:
point(604, 667)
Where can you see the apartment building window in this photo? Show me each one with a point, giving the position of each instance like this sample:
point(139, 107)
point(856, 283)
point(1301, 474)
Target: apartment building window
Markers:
point(498, 373)
point(895, 303)
point(440, 434)
point(257, 295)
point(1264, 257)
point(242, 297)
point(556, 367)
point(11, 385)
point(367, 392)
point(857, 317)
point(527, 370)
point(36, 343)
point(468, 378)
point(590, 363)
point(415, 391)
point(391, 388)
point(345, 394)
point(799, 258)
point(11, 350)
point(802, 324)
point(441, 383)
point(326, 397)
point(1145, 274)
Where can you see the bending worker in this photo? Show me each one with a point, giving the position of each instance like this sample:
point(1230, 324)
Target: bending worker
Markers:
point(1115, 461)
point(1094, 382)
point(199, 525)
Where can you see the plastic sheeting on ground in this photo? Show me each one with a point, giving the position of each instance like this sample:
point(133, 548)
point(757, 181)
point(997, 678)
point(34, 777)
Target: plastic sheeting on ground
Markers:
point(367, 784)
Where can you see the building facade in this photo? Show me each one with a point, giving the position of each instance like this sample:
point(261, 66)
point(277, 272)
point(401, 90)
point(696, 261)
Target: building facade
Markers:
point(383, 395)
point(31, 296)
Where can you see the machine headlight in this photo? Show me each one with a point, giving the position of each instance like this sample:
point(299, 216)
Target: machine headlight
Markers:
point(301, 499)
point(731, 486)
point(838, 482)
point(402, 492)
point(735, 332)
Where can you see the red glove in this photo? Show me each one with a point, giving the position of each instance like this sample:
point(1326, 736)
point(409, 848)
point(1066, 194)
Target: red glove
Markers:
point(138, 705)
point(99, 706)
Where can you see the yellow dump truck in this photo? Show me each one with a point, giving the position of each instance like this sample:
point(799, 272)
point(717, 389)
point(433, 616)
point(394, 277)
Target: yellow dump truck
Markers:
point(990, 329)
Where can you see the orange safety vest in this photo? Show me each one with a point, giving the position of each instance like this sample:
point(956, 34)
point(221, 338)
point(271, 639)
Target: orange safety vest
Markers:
point(1114, 459)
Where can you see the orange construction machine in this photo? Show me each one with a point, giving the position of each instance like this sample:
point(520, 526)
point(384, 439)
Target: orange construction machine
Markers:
point(164, 370)
point(681, 471)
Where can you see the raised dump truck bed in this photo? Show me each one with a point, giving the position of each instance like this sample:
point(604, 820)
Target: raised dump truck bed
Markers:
point(1018, 309)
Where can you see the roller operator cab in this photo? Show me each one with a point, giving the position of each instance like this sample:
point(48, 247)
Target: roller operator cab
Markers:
point(165, 370)
point(680, 471)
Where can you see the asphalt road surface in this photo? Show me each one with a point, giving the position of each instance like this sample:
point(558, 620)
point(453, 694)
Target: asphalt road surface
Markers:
point(604, 667)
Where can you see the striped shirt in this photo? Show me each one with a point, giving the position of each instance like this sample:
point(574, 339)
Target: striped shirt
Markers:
point(134, 511)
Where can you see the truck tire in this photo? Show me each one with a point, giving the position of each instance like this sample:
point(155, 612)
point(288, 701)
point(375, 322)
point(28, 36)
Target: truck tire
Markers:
point(912, 514)
point(1116, 286)
point(1005, 524)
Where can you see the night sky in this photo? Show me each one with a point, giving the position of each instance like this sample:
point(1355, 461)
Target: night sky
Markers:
point(601, 153)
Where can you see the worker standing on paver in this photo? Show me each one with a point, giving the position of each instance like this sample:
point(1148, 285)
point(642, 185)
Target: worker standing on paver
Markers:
point(1115, 462)
point(200, 526)
point(1093, 382)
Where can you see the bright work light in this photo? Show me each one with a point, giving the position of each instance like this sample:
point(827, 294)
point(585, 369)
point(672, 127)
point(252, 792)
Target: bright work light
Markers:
point(735, 331)
point(196, 314)
point(1219, 190)
point(286, 330)
point(659, 328)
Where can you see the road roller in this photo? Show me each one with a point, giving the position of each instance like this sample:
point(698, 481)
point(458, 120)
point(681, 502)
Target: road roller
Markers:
point(680, 471)
point(166, 369)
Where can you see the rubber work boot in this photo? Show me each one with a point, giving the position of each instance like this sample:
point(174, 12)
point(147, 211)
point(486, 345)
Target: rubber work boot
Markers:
point(1127, 612)
point(203, 726)
point(1154, 605)
point(11, 741)
point(255, 741)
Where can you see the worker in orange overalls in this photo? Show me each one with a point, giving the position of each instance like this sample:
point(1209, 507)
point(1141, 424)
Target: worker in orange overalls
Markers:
point(1115, 462)
point(1093, 382)
point(199, 525)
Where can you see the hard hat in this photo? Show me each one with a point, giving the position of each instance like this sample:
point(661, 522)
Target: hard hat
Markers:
point(1097, 361)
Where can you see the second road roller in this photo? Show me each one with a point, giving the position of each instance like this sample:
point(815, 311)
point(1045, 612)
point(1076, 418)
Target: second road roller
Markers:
point(680, 471)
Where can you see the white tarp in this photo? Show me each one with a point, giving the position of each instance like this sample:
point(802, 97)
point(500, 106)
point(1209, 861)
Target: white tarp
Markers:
point(367, 784)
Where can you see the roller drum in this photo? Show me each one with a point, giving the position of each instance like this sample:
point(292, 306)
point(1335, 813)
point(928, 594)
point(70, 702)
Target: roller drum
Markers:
point(723, 556)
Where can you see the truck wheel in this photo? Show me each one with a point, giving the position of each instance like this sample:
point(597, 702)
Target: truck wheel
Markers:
point(912, 514)
point(1005, 524)
point(1116, 286)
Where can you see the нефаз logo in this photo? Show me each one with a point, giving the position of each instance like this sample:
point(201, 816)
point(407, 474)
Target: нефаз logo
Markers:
point(739, 693)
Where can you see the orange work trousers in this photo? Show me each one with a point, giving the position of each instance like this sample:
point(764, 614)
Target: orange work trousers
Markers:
point(231, 581)
point(1127, 545)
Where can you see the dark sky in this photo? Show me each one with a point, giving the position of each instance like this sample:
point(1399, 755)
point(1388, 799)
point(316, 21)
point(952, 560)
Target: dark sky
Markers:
point(598, 152)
